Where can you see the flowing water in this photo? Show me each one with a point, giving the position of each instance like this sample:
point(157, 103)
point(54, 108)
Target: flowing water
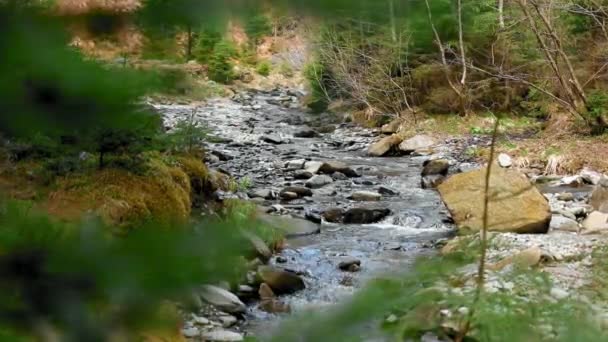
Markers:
point(388, 247)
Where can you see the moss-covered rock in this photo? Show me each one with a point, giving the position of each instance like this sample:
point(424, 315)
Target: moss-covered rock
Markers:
point(165, 192)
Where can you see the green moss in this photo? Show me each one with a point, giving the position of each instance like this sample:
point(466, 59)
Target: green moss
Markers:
point(166, 192)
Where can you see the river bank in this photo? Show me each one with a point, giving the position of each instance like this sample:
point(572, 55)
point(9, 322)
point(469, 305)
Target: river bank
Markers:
point(350, 218)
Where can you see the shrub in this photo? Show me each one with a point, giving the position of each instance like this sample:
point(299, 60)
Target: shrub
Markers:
point(257, 27)
point(205, 46)
point(597, 103)
point(174, 81)
point(187, 136)
point(286, 69)
point(263, 68)
point(221, 68)
point(316, 74)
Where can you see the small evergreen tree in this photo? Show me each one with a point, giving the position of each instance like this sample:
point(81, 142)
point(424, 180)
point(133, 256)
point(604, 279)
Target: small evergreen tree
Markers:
point(205, 46)
point(221, 68)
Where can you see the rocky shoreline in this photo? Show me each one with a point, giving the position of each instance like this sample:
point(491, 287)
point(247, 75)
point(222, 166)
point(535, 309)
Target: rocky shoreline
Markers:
point(350, 215)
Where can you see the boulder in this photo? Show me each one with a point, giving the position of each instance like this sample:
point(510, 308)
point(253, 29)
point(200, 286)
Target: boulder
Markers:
point(419, 142)
point(272, 139)
point(432, 181)
point(365, 196)
point(306, 133)
point(524, 259)
point(296, 164)
point(265, 292)
point(262, 193)
point(313, 166)
point(504, 160)
point(319, 181)
point(563, 224)
point(222, 299)
point(515, 204)
point(291, 227)
point(280, 281)
point(288, 195)
point(595, 223)
point(392, 127)
point(333, 215)
point(302, 174)
point(436, 167)
point(336, 166)
point(591, 177)
point(384, 146)
point(298, 190)
point(349, 264)
point(365, 216)
point(260, 247)
point(599, 197)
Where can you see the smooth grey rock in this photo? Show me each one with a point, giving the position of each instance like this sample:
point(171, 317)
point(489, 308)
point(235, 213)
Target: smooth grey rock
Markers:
point(227, 321)
point(191, 332)
point(365, 196)
point(591, 177)
point(222, 299)
point(291, 227)
point(595, 223)
point(313, 166)
point(319, 181)
point(419, 142)
point(296, 164)
point(561, 223)
point(504, 160)
point(222, 336)
point(262, 193)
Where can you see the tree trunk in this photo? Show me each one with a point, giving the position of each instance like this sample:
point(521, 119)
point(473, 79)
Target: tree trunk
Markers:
point(501, 14)
point(101, 164)
point(391, 9)
point(463, 79)
point(189, 43)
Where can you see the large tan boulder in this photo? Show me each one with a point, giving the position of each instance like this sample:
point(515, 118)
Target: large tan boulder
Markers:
point(599, 198)
point(392, 127)
point(515, 204)
point(419, 142)
point(384, 146)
